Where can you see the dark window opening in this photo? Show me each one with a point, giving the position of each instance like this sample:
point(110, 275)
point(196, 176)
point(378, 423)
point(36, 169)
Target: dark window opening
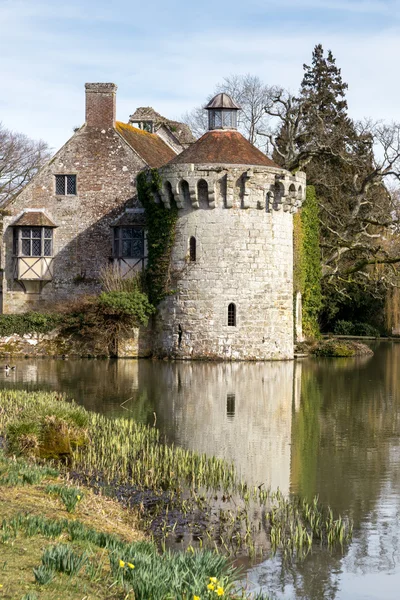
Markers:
point(230, 405)
point(180, 333)
point(192, 245)
point(232, 315)
point(185, 191)
point(128, 242)
point(66, 185)
point(202, 192)
point(33, 241)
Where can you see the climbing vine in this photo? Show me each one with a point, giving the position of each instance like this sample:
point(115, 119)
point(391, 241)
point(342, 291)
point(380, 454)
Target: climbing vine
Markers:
point(307, 262)
point(161, 228)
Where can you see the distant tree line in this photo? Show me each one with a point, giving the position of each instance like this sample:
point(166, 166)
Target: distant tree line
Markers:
point(354, 167)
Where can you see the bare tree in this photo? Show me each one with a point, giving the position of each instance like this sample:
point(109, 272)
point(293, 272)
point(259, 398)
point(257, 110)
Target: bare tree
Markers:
point(252, 95)
point(20, 159)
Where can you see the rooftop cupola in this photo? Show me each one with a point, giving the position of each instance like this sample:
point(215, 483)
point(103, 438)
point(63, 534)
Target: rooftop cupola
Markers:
point(222, 112)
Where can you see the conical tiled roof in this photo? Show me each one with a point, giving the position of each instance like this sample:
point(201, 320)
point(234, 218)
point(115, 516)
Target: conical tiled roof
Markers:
point(223, 147)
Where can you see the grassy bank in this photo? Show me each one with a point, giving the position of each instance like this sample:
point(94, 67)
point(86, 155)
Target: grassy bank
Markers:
point(60, 541)
point(179, 495)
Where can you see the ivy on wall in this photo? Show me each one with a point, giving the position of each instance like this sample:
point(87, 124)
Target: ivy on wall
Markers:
point(307, 262)
point(161, 228)
point(28, 323)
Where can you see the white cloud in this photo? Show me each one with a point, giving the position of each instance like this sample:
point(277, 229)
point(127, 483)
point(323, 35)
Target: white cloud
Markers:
point(173, 70)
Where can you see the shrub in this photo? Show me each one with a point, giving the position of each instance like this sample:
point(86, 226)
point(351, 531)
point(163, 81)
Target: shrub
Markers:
point(126, 304)
point(334, 348)
point(355, 328)
point(111, 280)
point(28, 323)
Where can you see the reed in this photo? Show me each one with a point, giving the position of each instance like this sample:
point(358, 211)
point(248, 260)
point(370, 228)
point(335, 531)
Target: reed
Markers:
point(185, 486)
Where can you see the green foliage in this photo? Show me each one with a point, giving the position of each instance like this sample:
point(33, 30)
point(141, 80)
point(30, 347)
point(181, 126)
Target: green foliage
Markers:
point(127, 304)
point(20, 472)
point(349, 328)
point(69, 495)
point(43, 575)
point(161, 228)
point(28, 323)
point(171, 575)
point(334, 348)
point(63, 559)
point(357, 305)
point(307, 264)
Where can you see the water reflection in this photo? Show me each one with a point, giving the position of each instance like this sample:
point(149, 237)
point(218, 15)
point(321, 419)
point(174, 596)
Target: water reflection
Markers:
point(326, 427)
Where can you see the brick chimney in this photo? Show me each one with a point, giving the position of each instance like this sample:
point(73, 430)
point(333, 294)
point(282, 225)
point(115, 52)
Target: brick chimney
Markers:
point(100, 104)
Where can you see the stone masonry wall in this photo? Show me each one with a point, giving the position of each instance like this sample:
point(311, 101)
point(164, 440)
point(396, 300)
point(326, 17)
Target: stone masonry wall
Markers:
point(106, 168)
point(244, 255)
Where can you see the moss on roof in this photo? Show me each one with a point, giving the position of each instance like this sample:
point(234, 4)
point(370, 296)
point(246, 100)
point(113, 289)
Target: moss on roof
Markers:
point(149, 146)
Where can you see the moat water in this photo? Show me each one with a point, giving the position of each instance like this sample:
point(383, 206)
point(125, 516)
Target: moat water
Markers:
point(326, 427)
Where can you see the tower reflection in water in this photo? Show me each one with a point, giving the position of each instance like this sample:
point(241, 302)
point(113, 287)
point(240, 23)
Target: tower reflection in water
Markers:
point(238, 411)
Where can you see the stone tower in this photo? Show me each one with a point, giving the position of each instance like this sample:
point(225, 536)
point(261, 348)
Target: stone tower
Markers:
point(232, 262)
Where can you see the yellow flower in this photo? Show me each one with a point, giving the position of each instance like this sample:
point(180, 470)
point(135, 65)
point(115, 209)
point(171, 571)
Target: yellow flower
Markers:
point(121, 563)
point(211, 586)
point(213, 579)
point(196, 597)
point(130, 565)
point(220, 591)
point(78, 497)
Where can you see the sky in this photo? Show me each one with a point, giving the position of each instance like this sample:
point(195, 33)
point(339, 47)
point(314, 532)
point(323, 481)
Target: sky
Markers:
point(171, 55)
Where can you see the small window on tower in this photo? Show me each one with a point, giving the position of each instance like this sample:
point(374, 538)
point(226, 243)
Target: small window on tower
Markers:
point(232, 315)
point(192, 249)
point(66, 185)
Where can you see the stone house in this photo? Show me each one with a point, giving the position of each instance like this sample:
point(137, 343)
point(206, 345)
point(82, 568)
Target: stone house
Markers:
point(233, 253)
point(80, 211)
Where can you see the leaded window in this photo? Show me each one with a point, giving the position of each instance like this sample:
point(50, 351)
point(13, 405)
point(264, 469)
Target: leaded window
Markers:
point(66, 185)
point(220, 119)
point(33, 241)
point(128, 242)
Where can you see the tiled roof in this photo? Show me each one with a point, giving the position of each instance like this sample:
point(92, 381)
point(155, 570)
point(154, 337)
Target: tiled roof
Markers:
point(33, 219)
point(149, 146)
point(223, 147)
point(180, 130)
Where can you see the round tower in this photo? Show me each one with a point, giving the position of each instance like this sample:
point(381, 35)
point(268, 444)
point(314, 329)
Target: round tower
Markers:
point(232, 261)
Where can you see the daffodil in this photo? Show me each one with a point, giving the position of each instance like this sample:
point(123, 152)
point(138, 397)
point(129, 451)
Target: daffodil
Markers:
point(211, 586)
point(220, 591)
point(130, 565)
point(121, 563)
point(213, 579)
point(78, 497)
point(196, 597)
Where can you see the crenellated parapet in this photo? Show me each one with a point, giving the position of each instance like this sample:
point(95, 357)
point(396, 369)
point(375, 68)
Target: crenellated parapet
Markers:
point(213, 186)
